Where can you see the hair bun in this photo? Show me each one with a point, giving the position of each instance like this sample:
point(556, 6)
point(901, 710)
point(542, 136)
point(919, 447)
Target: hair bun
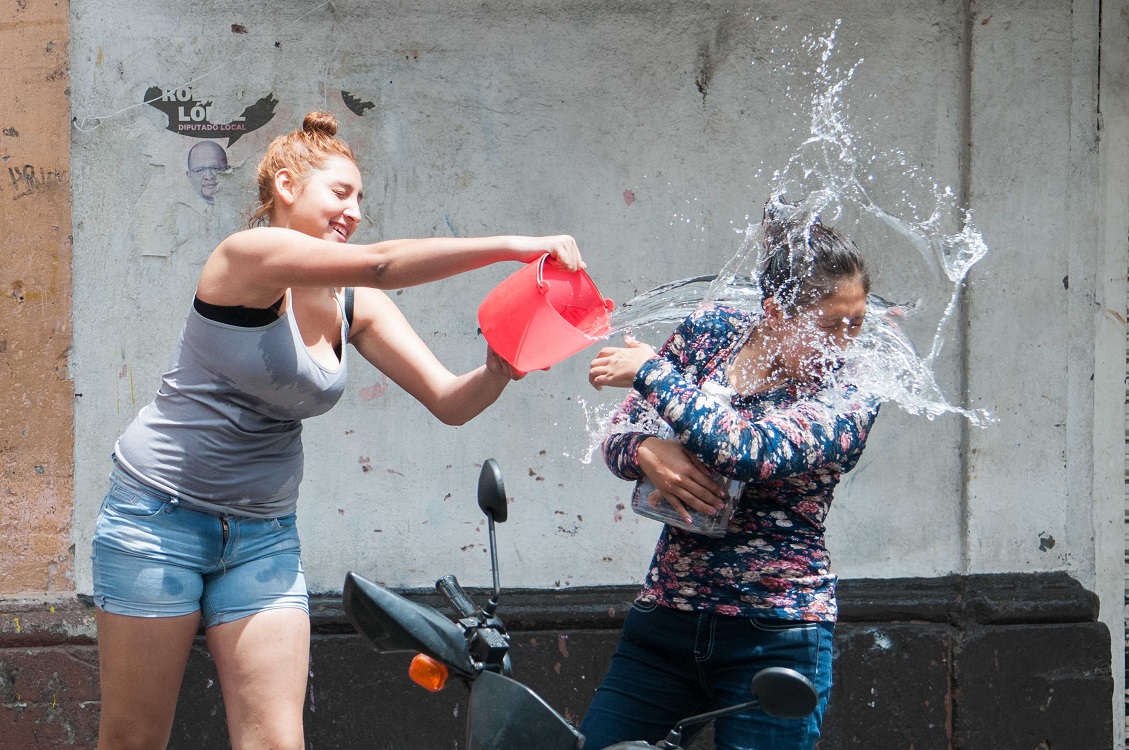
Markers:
point(320, 123)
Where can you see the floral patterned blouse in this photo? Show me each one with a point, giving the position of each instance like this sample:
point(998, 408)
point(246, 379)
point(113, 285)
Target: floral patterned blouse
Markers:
point(791, 444)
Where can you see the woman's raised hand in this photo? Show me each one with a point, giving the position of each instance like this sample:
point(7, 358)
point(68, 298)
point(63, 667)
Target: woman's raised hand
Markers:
point(680, 477)
point(500, 367)
point(616, 366)
point(561, 247)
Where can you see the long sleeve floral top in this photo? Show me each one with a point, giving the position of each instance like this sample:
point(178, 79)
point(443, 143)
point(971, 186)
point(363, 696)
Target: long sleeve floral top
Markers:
point(791, 444)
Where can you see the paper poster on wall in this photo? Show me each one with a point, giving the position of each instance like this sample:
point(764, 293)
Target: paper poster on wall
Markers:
point(190, 202)
point(191, 117)
point(207, 160)
point(186, 202)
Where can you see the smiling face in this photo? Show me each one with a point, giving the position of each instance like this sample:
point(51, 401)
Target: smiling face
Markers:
point(325, 202)
point(809, 341)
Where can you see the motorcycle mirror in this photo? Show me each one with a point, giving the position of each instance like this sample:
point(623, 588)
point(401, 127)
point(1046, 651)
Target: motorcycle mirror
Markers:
point(492, 492)
point(392, 623)
point(784, 693)
point(778, 691)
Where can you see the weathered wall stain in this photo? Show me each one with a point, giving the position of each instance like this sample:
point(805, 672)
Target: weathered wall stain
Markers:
point(124, 388)
point(376, 390)
point(713, 52)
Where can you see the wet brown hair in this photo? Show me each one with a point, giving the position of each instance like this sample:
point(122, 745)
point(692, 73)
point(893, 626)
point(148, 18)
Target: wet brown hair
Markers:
point(805, 260)
point(302, 150)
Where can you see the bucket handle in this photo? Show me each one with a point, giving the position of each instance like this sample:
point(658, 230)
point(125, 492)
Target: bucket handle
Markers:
point(542, 285)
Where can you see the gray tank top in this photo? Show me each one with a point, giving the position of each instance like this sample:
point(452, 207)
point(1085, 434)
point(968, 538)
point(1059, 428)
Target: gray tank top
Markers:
point(224, 432)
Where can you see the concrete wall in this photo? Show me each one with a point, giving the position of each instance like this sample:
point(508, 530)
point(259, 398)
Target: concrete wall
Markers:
point(538, 118)
point(648, 130)
point(509, 117)
point(1044, 489)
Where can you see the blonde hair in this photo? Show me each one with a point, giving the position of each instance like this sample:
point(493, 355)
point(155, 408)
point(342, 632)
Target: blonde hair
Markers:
point(300, 151)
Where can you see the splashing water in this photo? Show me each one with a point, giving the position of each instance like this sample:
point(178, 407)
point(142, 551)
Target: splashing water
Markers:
point(834, 176)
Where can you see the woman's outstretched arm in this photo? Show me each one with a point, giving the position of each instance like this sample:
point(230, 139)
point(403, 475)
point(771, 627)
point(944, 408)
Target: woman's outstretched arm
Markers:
point(254, 266)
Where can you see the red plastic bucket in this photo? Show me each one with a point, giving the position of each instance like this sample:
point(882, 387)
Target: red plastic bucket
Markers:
point(543, 314)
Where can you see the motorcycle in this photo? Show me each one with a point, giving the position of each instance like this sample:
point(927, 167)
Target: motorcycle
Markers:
point(474, 649)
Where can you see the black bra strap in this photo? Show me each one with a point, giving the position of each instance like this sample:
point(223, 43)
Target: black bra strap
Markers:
point(238, 315)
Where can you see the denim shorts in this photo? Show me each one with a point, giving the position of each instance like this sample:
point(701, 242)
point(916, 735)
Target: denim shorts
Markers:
point(155, 558)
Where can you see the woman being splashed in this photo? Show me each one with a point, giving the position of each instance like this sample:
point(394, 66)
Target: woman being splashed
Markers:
point(752, 397)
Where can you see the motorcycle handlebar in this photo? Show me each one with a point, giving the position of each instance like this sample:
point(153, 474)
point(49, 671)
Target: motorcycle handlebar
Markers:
point(449, 587)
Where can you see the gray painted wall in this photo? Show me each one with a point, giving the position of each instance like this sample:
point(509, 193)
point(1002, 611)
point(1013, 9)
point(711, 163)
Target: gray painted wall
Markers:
point(538, 117)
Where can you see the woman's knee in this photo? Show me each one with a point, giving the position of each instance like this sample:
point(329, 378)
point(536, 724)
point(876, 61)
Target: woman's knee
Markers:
point(269, 738)
point(132, 733)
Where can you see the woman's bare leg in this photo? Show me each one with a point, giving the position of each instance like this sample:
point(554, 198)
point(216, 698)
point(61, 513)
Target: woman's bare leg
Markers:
point(141, 665)
point(263, 661)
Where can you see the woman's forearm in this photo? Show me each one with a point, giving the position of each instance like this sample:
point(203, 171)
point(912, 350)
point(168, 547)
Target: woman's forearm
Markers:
point(798, 438)
point(403, 263)
point(468, 395)
point(621, 454)
point(398, 263)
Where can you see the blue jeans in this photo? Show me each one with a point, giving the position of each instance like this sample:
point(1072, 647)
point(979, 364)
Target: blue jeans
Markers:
point(670, 665)
point(154, 558)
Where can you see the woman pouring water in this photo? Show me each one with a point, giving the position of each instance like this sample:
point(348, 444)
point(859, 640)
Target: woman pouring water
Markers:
point(755, 398)
point(199, 521)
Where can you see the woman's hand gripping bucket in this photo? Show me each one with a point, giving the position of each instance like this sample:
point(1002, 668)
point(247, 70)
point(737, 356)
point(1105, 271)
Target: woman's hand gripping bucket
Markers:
point(543, 314)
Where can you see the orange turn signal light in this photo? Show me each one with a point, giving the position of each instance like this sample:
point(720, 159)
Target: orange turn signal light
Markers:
point(428, 673)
